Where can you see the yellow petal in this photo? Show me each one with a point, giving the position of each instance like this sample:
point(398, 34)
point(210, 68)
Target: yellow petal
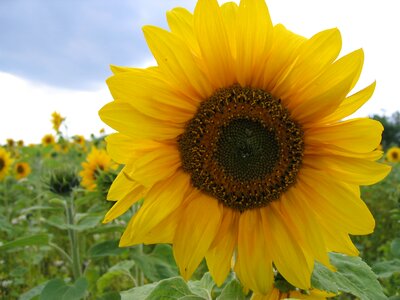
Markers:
point(304, 225)
point(160, 201)
point(128, 193)
point(327, 92)
point(220, 254)
point(155, 165)
point(254, 261)
point(348, 169)
point(181, 22)
point(196, 230)
point(338, 203)
point(128, 121)
point(313, 56)
point(282, 56)
point(123, 149)
point(229, 12)
point(121, 69)
point(288, 256)
point(356, 135)
point(161, 103)
point(254, 39)
point(177, 62)
point(351, 104)
point(211, 33)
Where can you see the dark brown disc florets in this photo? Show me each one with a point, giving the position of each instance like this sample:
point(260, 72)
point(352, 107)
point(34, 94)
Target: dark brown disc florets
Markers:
point(242, 148)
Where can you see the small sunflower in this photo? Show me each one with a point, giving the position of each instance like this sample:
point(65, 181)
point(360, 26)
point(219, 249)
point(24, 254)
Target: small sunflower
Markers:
point(20, 143)
point(10, 143)
point(5, 162)
point(22, 170)
point(236, 142)
point(48, 139)
point(56, 120)
point(393, 154)
point(97, 161)
point(79, 140)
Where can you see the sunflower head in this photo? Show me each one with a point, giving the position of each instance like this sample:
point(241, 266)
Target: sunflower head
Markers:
point(48, 139)
point(20, 143)
point(237, 144)
point(56, 120)
point(10, 143)
point(393, 154)
point(22, 170)
point(5, 162)
point(97, 162)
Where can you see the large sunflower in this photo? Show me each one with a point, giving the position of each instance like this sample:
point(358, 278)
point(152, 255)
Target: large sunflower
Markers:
point(236, 142)
point(5, 162)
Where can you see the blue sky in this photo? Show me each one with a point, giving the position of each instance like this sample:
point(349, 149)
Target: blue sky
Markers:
point(55, 54)
point(70, 44)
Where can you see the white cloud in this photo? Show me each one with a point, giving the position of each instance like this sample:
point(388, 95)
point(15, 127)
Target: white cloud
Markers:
point(28, 109)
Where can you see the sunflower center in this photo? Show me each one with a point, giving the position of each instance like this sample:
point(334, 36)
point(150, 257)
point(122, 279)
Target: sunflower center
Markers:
point(20, 169)
point(246, 149)
point(242, 148)
point(2, 163)
point(395, 155)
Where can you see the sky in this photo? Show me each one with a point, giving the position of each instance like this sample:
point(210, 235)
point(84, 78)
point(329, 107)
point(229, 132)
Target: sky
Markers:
point(55, 55)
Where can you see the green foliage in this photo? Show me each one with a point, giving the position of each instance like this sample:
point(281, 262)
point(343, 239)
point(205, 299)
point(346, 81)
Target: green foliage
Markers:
point(37, 257)
point(391, 134)
point(352, 276)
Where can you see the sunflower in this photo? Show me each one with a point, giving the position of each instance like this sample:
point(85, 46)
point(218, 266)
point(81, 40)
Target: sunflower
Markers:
point(97, 161)
point(22, 170)
point(56, 120)
point(236, 142)
point(79, 140)
point(20, 143)
point(10, 143)
point(393, 154)
point(48, 139)
point(5, 162)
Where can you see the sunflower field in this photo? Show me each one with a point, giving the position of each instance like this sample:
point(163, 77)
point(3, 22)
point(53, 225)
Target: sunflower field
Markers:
point(235, 171)
point(53, 243)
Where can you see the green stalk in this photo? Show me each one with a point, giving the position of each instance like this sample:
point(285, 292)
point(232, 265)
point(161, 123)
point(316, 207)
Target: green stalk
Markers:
point(76, 264)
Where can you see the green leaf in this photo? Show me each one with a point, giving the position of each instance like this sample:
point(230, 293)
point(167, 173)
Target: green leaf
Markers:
point(232, 291)
point(33, 240)
point(395, 248)
point(58, 289)
point(139, 293)
point(159, 264)
point(117, 274)
point(352, 276)
point(33, 292)
point(387, 268)
point(110, 296)
point(172, 289)
point(203, 287)
point(107, 248)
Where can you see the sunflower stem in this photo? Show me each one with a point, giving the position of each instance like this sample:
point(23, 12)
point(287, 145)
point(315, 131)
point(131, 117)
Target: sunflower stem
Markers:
point(72, 234)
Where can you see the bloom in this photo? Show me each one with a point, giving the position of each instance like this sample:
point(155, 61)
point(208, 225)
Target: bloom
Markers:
point(56, 120)
point(22, 169)
point(97, 160)
point(5, 162)
point(48, 139)
point(393, 154)
point(235, 142)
